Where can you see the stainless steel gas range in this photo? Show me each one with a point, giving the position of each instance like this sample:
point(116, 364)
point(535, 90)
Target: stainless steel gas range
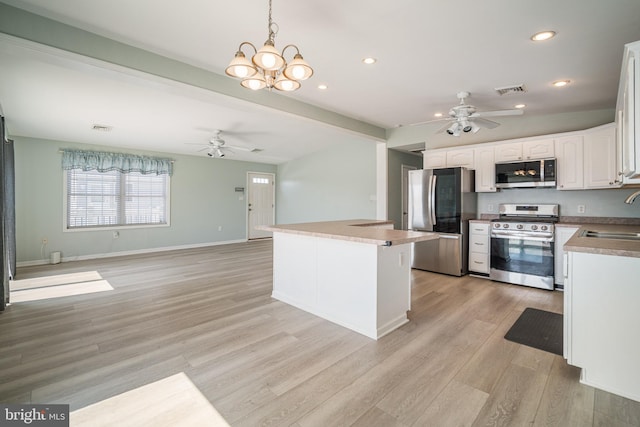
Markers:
point(522, 245)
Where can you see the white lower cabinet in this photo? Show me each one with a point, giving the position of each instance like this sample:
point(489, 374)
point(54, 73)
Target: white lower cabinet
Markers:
point(479, 247)
point(601, 319)
point(563, 234)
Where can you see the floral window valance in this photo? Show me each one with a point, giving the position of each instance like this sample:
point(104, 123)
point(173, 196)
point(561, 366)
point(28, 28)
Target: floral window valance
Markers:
point(123, 163)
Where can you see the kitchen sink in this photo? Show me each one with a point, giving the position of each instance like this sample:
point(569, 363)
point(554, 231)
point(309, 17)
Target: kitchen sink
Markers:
point(623, 235)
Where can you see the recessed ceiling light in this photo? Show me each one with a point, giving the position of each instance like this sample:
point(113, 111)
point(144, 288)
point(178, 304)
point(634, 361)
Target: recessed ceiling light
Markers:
point(437, 115)
point(561, 83)
point(322, 87)
point(519, 105)
point(543, 35)
point(369, 60)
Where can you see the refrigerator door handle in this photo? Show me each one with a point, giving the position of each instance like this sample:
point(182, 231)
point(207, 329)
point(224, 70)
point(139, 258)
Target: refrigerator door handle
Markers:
point(432, 198)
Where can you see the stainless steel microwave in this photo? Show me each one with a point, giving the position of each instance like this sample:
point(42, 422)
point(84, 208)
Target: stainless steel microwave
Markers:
point(529, 174)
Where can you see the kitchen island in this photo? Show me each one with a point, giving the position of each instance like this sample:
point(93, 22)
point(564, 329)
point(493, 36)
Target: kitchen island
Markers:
point(356, 273)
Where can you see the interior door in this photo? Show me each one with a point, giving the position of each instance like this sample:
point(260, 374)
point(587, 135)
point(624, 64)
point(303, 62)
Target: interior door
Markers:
point(405, 196)
point(260, 204)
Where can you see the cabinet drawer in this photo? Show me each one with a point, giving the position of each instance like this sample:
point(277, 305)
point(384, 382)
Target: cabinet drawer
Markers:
point(479, 243)
point(479, 262)
point(479, 228)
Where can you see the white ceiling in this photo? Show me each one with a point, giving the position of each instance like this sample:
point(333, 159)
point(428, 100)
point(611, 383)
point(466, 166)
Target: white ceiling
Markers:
point(427, 52)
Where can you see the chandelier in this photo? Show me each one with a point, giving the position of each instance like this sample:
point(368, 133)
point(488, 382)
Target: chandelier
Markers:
point(268, 68)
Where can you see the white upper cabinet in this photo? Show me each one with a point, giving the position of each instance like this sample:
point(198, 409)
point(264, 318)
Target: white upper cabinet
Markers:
point(628, 114)
point(600, 158)
point(570, 166)
point(448, 158)
point(538, 149)
point(461, 157)
point(434, 159)
point(526, 150)
point(485, 169)
point(508, 152)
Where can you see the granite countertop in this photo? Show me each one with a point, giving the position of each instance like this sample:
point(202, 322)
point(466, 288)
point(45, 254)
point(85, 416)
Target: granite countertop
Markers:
point(362, 231)
point(604, 246)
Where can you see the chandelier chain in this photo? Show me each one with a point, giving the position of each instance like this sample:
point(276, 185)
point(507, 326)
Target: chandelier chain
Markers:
point(272, 32)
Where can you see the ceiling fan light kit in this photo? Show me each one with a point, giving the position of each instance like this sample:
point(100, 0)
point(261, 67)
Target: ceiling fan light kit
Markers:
point(464, 118)
point(268, 67)
point(216, 145)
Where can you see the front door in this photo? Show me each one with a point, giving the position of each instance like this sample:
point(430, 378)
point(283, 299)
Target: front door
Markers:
point(261, 203)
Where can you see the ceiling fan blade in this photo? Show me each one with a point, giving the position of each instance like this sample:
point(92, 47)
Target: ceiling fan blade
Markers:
point(430, 121)
point(247, 149)
point(202, 149)
point(497, 113)
point(489, 124)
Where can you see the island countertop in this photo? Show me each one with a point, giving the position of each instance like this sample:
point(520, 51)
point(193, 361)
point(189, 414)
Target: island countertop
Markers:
point(355, 230)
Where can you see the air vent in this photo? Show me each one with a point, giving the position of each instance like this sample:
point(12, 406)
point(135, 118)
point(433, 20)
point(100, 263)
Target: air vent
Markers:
point(102, 128)
point(508, 89)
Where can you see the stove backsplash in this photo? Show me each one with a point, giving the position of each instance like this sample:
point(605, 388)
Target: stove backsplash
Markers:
point(596, 203)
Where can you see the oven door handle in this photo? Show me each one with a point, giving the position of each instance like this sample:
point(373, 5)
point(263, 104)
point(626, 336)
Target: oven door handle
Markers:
point(520, 236)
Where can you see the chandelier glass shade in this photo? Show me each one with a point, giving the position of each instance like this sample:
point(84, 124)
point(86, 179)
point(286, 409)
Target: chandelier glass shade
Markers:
point(268, 67)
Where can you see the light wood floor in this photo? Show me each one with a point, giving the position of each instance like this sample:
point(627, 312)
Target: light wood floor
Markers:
point(208, 313)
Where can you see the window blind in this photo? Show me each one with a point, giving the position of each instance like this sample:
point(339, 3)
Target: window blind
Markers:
point(108, 199)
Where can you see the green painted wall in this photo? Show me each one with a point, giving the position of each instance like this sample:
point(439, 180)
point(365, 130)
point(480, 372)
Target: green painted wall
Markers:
point(203, 197)
point(337, 183)
point(395, 161)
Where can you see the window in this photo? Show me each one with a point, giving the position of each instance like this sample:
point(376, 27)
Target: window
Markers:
point(113, 199)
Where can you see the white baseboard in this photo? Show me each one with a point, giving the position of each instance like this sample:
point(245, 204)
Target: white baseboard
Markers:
point(125, 253)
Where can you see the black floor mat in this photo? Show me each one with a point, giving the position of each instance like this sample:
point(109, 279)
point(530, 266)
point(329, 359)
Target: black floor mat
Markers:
point(538, 329)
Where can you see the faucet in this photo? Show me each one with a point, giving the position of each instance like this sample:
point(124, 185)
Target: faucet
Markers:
point(632, 197)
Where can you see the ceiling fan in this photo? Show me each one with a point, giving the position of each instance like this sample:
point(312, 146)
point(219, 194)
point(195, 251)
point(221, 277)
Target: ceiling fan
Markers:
point(465, 118)
point(217, 147)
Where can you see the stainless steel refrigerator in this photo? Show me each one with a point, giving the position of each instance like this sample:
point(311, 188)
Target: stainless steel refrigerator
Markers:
point(442, 201)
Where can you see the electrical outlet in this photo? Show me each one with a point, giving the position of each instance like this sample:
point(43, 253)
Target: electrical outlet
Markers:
point(45, 240)
point(219, 228)
point(116, 234)
point(582, 208)
point(489, 207)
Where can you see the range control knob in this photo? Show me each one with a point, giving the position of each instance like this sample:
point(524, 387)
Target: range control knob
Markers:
point(496, 225)
point(544, 228)
point(505, 226)
point(520, 226)
point(534, 227)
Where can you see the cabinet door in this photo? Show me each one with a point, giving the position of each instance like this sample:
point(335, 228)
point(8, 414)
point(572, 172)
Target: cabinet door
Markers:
point(463, 158)
point(569, 166)
point(485, 170)
point(600, 169)
point(435, 159)
point(538, 149)
point(508, 152)
point(629, 120)
point(563, 234)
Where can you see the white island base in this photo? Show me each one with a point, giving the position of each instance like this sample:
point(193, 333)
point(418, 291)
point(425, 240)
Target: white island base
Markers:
point(361, 286)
